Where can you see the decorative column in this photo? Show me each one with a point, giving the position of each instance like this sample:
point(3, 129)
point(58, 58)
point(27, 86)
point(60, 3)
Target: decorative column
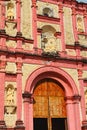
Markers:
point(39, 33)
point(81, 85)
point(34, 23)
point(19, 34)
point(18, 13)
point(76, 100)
point(61, 26)
point(70, 113)
point(2, 90)
point(74, 23)
point(28, 110)
point(19, 122)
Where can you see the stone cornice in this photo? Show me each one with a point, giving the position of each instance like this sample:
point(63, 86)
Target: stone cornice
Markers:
point(48, 18)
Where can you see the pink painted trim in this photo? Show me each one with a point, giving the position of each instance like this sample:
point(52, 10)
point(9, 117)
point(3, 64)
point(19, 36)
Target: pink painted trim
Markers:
point(2, 87)
point(1, 17)
point(70, 115)
point(19, 96)
point(62, 26)
point(54, 72)
point(34, 22)
point(48, 19)
point(83, 108)
point(74, 24)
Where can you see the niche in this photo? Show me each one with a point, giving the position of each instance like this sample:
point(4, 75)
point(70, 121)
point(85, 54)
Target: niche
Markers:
point(48, 12)
point(10, 11)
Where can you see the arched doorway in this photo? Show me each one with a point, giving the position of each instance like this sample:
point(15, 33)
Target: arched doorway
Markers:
point(64, 80)
point(49, 110)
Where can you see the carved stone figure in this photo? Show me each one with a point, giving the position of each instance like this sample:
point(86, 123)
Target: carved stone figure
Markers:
point(10, 96)
point(10, 105)
point(50, 46)
point(10, 11)
point(79, 24)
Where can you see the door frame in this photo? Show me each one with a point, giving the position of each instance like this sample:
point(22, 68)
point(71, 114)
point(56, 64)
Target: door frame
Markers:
point(71, 93)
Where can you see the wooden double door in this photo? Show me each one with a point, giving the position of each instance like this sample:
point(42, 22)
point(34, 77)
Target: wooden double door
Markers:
point(49, 106)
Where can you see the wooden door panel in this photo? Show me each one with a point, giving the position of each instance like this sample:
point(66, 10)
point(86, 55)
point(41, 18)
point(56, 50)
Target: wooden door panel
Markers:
point(49, 100)
point(57, 107)
point(41, 107)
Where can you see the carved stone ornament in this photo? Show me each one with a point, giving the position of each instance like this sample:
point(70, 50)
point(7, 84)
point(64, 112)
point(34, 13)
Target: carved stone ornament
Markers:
point(80, 24)
point(49, 45)
point(10, 103)
point(10, 11)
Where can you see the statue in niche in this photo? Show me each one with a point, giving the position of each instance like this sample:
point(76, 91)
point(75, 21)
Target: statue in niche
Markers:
point(80, 24)
point(49, 42)
point(50, 46)
point(10, 96)
point(10, 107)
point(10, 11)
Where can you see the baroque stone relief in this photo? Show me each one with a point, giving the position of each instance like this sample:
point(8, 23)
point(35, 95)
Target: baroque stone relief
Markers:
point(80, 27)
point(10, 99)
point(10, 11)
point(11, 44)
point(11, 28)
point(48, 40)
point(49, 44)
point(10, 105)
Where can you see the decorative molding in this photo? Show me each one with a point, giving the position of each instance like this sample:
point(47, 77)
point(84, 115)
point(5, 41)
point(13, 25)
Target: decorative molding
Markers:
point(73, 98)
point(84, 125)
point(28, 97)
point(19, 125)
point(57, 20)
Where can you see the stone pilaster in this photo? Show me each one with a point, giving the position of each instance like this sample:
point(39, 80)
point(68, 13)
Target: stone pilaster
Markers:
point(2, 86)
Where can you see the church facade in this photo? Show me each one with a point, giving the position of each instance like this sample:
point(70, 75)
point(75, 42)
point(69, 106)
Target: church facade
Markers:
point(43, 65)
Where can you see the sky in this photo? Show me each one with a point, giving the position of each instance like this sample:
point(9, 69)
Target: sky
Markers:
point(85, 1)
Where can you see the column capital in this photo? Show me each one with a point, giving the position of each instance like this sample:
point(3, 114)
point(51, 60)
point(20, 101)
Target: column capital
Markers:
point(73, 98)
point(77, 97)
point(19, 125)
point(28, 97)
point(84, 125)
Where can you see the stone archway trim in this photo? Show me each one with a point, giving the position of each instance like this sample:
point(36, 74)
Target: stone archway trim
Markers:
point(51, 72)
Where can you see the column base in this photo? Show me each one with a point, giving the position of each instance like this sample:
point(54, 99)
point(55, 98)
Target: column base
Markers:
point(19, 125)
point(84, 125)
point(2, 125)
